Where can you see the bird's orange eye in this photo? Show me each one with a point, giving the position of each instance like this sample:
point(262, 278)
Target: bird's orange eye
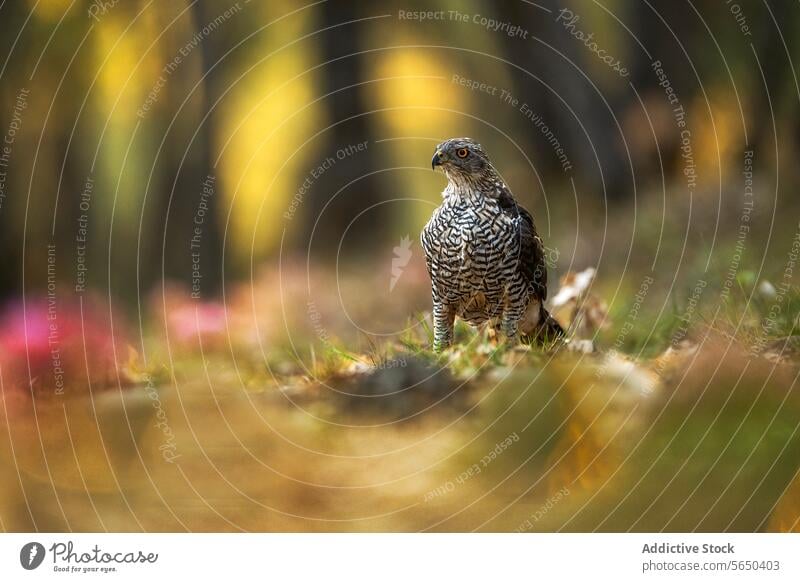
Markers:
point(462, 153)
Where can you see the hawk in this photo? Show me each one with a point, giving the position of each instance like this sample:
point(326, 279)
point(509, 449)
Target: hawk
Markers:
point(484, 257)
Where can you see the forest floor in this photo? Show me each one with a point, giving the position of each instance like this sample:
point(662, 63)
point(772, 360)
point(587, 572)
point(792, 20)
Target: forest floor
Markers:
point(671, 423)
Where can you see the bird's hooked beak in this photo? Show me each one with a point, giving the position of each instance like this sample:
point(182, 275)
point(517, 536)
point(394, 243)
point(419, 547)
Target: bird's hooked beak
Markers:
point(437, 159)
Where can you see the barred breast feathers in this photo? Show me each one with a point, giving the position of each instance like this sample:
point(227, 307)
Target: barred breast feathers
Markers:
point(483, 253)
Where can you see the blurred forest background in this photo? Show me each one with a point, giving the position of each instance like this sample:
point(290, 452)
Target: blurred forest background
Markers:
point(267, 91)
point(229, 193)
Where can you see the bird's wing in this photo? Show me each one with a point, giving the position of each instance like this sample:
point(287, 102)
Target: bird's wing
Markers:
point(532, 261)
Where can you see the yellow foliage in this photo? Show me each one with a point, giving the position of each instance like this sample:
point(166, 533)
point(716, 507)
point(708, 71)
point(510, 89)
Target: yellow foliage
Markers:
point(266, 120)
point(120, 82)
point(786, 517)
point(417, 79)
point(720, 142)
point(418, 105)
point(50, 10)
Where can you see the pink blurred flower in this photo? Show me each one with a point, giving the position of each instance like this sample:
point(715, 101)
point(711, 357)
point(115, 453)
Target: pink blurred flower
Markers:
point(193, 321)
point(52, 347)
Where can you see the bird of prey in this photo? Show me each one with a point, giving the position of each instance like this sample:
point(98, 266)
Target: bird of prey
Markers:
point(485, 259)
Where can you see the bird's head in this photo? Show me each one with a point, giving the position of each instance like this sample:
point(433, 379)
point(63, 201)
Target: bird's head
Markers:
point(461, 158)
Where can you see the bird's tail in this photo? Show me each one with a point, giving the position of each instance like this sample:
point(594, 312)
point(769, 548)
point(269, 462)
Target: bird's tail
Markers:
point(548, 330)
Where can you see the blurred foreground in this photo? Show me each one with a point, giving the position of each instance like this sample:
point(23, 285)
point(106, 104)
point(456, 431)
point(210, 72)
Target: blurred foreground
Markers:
point(218, 436)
